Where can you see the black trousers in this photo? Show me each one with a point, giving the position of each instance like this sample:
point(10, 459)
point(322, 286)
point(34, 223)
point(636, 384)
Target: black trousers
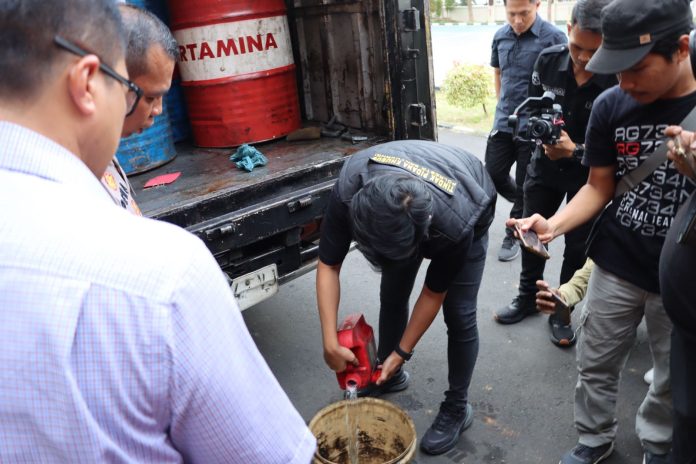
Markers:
point(501, 153)
point(459, 309)
point(545, 188)
point(683, 373)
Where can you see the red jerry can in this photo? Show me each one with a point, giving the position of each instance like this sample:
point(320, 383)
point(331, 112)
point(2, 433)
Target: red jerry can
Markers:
point(357, 335)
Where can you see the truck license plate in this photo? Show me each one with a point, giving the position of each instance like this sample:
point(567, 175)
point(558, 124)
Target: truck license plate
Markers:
point(256, 286)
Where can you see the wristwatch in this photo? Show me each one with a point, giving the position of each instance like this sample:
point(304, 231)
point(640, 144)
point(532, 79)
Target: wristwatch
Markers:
point(579, 151)
point(406, 356)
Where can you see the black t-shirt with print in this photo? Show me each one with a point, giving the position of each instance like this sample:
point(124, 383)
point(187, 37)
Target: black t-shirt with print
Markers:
point(624, 132)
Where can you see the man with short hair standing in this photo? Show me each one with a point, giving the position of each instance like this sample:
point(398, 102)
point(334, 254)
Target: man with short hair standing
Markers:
point(515, 48)
point(121, 340)
point(555, 171)
point(151, 52)
point(645, 42)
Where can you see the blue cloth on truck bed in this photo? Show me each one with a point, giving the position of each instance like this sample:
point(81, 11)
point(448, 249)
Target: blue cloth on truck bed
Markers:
point(247, 157)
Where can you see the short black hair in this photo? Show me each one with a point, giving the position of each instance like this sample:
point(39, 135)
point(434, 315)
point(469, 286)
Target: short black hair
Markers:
point(391, 215)
point(668, 46)
point(27, 30)
point(586, 15)
point(530, 1)
point(143, 31)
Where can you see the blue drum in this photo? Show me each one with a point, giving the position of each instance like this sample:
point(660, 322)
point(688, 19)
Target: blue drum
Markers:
point(158, 7)
point(154, 147)
point(178, 116)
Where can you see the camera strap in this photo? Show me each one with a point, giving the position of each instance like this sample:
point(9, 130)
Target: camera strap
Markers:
point(658, 157)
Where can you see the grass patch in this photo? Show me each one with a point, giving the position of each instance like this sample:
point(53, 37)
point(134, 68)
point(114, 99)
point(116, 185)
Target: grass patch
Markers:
point(472, 118)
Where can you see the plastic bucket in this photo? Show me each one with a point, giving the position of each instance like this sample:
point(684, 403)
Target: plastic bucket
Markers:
point(386, 434)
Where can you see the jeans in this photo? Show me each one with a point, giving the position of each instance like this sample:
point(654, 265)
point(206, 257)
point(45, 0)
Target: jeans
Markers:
point(545, 189)
point(501, 153)
point(459, 310)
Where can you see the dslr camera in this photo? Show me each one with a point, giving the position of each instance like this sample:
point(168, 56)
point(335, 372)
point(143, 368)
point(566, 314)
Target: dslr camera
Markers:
point(545, 121)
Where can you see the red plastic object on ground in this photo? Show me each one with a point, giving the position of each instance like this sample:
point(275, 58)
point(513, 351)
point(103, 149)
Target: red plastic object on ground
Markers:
point(357, 335)
point(237, 70)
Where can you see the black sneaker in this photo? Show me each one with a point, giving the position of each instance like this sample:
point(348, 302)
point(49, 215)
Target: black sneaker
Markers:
point(521, 307)
point(561, 335)
point(446, 429)
point(651, 458)
point(397, 382)
point(582, 454)
point(509, 250)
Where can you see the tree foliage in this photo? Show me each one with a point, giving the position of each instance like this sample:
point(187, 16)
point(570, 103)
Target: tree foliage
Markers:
point(467, 85)
point(436, 8)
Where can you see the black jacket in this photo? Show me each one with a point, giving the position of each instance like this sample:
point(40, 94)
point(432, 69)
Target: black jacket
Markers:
point(462, 189)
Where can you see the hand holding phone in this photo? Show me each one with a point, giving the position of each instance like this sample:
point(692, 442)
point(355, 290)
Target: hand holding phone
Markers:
point(544, 301)
point(550, 301)
point(686, 156)
point(562, 310)
point(530, 241)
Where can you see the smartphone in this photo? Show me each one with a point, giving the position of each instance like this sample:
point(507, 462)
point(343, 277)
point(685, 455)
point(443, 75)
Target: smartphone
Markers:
point(562, 310)
point(530, 242)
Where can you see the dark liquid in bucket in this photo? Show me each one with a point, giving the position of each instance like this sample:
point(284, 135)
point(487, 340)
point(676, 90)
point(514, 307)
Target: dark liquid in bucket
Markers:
point(383, 432)
point(371, 450)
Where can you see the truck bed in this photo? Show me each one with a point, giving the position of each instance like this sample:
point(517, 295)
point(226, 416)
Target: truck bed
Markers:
point(251, 220)
point(210, 182)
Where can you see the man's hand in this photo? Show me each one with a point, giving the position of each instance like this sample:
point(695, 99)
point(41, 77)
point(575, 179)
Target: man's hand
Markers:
point(562, 149)
point(537, 223)
point(544, 300)
point(338, 357)
point(390, 367)
point(682, 150)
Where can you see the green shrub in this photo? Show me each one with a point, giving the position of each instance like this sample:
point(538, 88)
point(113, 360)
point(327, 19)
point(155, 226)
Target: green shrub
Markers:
point(468, 85)
point(436, 8)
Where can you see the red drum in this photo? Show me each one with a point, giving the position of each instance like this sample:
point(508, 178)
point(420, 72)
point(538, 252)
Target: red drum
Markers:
point(237, 70)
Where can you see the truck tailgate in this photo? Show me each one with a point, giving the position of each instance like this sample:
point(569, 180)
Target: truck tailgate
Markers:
point(251, 220)
point(211, 185)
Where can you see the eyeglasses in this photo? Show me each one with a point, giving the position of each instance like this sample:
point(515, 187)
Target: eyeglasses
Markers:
point(134, 94)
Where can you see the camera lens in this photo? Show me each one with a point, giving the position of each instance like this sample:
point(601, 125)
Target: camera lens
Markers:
point(538, 129)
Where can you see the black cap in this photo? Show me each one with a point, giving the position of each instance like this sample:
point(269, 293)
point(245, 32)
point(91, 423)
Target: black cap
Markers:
point(630, 29)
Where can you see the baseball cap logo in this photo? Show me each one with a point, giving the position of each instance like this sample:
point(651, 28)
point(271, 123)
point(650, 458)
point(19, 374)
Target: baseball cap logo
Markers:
point(644, 39)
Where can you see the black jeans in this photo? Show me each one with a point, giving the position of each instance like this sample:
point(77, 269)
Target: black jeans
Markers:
point(459, 309)
point(545, 189)
point(683, 381)
point(501, 153)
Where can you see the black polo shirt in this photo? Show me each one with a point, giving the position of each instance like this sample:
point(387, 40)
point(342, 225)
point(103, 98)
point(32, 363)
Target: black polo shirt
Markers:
point(553, 71)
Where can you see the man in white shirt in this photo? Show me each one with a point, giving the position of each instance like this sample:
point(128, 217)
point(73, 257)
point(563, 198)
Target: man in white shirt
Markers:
point(131, 352)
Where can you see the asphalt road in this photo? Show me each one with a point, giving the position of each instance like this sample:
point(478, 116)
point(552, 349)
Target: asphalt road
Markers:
point(522, 389)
